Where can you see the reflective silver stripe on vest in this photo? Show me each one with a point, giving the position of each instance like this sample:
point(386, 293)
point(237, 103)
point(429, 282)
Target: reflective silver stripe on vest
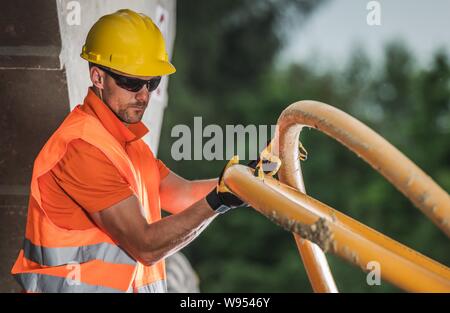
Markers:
point(60, 256)
point(33, 282)
point(159, 286)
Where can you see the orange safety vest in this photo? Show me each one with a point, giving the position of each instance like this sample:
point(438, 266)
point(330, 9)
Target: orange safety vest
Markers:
point(54, 259)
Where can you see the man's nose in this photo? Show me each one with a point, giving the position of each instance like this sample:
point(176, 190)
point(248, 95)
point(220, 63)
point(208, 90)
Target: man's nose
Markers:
point(143, 94)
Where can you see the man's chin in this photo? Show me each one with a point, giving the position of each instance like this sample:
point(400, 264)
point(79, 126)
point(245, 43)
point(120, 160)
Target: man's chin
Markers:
point(135, 116)
point(134, 120)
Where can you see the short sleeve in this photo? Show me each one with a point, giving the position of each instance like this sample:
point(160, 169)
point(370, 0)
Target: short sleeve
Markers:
point(90, 178)
point(163, 169)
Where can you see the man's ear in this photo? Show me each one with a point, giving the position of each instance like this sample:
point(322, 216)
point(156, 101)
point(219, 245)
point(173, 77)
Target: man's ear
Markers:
point(96, 77)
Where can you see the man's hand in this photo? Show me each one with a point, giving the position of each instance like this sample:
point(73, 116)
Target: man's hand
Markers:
point(267, 163)
point(220, 199)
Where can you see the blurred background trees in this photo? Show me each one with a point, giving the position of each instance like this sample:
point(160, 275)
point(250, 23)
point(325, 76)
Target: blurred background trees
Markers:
point(225, 55)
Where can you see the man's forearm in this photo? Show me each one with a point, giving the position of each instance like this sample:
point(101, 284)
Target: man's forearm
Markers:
point(180, 194)
point(200, 188)
point(174, 232)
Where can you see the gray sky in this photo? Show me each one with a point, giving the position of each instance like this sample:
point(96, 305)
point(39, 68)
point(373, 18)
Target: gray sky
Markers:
point(330, 34)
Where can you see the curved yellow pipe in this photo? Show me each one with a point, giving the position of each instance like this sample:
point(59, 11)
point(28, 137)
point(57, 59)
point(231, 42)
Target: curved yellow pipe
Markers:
point(313, 257)
point(417, 186)
point(321, 225)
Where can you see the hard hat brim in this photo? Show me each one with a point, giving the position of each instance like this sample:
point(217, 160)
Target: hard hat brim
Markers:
point(158, 68)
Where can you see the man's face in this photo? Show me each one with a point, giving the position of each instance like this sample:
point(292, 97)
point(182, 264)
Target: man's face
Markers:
point(128, 106)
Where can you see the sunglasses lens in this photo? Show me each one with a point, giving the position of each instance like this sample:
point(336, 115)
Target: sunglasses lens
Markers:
point(131, 84)
point(153, 83)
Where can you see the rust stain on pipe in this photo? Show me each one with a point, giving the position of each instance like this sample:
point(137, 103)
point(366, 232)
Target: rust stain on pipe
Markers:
point(318, 232)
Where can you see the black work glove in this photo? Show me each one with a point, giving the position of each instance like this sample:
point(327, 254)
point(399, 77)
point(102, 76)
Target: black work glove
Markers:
point(267, 166)
point(220, 199)
point(267, 163)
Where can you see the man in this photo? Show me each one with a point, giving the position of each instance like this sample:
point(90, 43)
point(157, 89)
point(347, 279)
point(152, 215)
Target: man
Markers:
point(94, 218)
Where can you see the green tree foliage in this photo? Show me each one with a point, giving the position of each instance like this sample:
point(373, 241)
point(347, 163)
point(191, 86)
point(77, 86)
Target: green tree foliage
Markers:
point(224, 55)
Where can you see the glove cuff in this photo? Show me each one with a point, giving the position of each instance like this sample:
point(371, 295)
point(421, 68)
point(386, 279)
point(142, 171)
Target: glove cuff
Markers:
point(215, 203)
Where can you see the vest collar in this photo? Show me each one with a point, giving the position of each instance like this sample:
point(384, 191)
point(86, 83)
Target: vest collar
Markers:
point(94, 106)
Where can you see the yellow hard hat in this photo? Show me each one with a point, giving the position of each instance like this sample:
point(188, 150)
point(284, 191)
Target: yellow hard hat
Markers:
point(128, 42)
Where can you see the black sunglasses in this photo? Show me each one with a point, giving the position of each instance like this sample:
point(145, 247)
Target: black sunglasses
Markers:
point(132, 84)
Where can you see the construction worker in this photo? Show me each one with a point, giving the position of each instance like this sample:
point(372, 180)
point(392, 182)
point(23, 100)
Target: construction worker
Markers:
point(94, 218)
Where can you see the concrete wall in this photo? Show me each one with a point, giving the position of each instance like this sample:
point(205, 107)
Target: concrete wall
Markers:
point(33, 102)
point(42, 77)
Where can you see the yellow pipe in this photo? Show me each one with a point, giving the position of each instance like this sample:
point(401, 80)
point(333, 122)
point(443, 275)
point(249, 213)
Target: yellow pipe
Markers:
point(367, 144)
point(316, 266)
point(313, 257)
point(338, 233)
